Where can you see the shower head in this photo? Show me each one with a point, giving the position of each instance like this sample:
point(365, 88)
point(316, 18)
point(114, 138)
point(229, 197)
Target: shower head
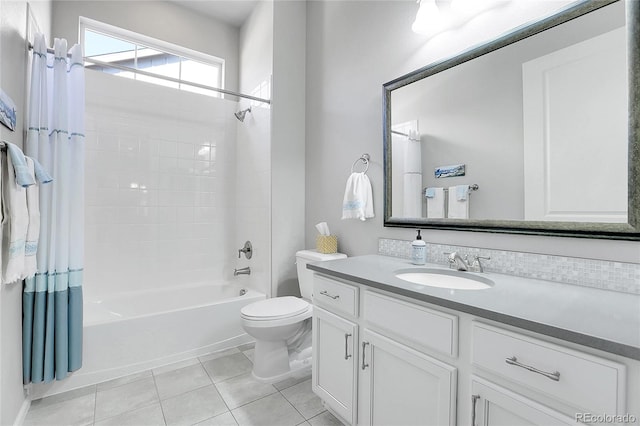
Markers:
point(240, 114)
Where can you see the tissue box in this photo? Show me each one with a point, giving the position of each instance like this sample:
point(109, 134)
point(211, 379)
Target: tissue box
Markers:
point(327, 244)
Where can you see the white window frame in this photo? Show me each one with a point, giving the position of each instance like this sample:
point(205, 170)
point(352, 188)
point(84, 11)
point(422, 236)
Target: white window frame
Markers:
point(153, 43)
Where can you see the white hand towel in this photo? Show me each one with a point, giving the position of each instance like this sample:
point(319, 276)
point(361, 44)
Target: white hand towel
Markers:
point(358, 198)
point(40, 173)
point(15, 222)
point(462, 191)
point(33, 230)
point(458, 208)
point(412, 197)
point(24, 178)
point(435, 204)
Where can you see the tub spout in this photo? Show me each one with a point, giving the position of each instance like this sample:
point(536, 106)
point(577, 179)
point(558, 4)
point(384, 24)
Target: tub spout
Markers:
point(242, 271)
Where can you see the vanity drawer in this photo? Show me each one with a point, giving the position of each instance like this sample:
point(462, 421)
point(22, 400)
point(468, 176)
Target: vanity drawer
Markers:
point(416, 325)
point(335, 296)
point(578, 379)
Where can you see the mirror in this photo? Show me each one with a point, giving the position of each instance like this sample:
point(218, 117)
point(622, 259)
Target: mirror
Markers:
point(535, 132)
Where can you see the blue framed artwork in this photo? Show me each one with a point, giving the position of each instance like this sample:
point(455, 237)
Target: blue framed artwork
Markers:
point(450, 171)
point(7, 111)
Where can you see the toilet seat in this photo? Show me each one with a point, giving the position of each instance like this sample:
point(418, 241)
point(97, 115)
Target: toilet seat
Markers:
point(277, 311)
point(275, 308)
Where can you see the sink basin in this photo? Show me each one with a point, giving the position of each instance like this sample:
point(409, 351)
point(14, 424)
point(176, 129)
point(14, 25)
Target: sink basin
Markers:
point(443, 278)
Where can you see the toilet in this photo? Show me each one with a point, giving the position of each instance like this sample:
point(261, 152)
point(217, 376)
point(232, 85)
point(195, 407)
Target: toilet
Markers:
point(281, 326)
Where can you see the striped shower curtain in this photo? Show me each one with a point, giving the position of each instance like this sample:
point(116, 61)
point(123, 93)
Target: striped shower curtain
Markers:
point(52, 300)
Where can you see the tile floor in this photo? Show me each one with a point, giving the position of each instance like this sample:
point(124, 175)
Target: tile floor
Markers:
point(215, 389)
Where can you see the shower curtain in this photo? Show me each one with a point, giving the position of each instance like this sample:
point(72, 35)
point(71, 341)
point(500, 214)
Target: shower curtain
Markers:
point(52, 300)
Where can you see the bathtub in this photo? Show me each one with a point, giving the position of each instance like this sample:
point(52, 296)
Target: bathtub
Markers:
point(136, 331)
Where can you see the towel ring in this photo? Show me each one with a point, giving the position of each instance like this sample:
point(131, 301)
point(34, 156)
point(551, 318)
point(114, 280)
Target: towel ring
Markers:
point(365, 159)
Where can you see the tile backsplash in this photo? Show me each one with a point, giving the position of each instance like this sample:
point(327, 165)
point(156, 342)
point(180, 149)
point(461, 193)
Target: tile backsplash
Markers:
point(607, 275)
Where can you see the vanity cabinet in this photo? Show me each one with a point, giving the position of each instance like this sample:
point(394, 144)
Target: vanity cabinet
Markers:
point(493, 405)
point(380, 358)
point(579, 381)
point(374, 358)
point(334, 362)
point(401, 386)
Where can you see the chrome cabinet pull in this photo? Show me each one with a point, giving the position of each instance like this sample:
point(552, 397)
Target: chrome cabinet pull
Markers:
point(346, 346)
point(555, 376)
point(325, 293)
point(364, 345)
point(474, 398)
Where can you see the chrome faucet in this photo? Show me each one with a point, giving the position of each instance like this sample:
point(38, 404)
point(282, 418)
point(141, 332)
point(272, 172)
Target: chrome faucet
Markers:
point(476, 265)
point(242, 271)
point(456, 260)
point(462, 264)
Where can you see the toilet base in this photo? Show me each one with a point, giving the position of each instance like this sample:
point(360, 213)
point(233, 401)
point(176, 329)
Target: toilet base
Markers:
point(274, 363)
point(271, 358)
point(299, 371)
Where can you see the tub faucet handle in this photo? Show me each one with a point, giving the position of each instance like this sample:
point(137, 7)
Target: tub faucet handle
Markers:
point(247, 250)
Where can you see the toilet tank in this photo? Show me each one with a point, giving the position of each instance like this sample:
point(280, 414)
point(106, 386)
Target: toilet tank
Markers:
point(305, 276)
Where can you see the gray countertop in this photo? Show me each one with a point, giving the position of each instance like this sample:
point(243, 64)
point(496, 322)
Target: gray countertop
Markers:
point(600, 319)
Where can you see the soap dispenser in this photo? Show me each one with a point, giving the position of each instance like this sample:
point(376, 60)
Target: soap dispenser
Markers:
point(418, 251)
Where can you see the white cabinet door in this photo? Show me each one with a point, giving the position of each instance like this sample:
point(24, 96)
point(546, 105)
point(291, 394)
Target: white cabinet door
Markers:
point(334, 359)
point(400, 386)
point(496, 406)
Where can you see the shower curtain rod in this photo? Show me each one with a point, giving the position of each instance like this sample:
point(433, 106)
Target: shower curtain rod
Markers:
point(162, 77)
point(174, 80)
point(49, 50)
point(395, 132)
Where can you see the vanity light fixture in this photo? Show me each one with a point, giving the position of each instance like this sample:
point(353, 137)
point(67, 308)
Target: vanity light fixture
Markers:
point(429, 19)
point(435, 16)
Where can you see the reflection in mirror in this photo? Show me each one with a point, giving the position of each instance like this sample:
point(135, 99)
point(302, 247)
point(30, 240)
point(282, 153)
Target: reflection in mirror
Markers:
point(539, 128)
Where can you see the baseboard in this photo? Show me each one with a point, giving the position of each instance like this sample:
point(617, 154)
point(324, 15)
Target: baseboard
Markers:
point(22, 414)
point(83, 378)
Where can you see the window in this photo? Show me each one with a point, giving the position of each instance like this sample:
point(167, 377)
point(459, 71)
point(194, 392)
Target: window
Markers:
point(136, 52)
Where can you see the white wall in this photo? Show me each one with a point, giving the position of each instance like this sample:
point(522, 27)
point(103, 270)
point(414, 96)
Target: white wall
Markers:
point(13, 72)
point(352, 49)
point(256, 47)
point(288, 143)
point(273, 41)
point(253, 173)
point(162, 20)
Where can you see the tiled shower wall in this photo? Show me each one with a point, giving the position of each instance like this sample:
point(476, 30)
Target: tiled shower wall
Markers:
point(615, 276)
point(253, 197)
point(160, 187)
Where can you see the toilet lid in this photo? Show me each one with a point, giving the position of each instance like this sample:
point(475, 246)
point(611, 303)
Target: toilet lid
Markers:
point(277, 307)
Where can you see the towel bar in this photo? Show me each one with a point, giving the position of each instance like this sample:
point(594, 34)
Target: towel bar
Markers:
point(473, 187)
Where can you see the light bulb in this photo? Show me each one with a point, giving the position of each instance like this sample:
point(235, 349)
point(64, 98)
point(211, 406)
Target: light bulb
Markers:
point(428, 19)
point(470, 8)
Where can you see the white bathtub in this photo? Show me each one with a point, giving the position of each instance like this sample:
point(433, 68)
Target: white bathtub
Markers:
point(137, 331)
